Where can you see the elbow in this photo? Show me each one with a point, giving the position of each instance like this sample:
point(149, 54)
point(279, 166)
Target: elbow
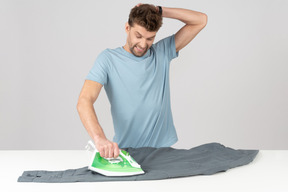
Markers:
point(83, 103)
point(80, 104)
point(204, 20)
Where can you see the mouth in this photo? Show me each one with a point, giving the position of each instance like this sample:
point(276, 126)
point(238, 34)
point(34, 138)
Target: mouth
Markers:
point(140, 49)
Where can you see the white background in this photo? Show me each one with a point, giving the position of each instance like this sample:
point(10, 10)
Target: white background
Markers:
point(229, 85)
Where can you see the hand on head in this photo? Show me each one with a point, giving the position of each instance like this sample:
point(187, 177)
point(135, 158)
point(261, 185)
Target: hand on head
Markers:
point(138, 4)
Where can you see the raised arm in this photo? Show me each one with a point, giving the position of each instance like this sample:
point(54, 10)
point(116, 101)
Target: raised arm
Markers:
point(88, 96)
point(194, 23)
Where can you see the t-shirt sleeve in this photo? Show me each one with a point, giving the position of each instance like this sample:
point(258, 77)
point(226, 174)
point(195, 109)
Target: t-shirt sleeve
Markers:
point(99, 71)
point(167, 45)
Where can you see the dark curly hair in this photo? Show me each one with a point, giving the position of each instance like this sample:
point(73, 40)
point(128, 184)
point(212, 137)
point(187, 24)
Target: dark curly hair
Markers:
point(146, 16)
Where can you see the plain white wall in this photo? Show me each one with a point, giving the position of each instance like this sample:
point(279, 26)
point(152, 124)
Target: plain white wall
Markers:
point(229, 85)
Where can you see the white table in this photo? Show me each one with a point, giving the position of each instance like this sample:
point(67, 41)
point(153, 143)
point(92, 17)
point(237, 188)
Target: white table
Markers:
point(268, 172)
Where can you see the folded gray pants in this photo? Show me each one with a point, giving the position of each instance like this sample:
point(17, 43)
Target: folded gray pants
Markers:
point(158, 163)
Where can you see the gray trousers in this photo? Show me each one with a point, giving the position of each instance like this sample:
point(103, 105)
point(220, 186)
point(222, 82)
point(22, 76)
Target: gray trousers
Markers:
point(158, 163)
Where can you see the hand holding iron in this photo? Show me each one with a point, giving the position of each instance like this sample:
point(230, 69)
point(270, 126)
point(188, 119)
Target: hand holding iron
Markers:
point(107, 149)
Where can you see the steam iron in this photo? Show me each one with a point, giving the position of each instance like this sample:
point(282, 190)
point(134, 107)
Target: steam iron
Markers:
point(123, 165)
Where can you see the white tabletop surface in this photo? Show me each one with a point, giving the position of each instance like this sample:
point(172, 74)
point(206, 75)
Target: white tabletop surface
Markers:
point(268, 172)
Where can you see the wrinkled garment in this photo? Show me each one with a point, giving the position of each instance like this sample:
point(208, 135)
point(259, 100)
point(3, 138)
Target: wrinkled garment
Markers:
point(158, 163)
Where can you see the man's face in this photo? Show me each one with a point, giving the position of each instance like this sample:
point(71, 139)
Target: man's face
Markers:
point(139, 40)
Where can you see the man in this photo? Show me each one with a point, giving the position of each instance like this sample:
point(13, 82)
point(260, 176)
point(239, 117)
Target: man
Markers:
point(136, 80)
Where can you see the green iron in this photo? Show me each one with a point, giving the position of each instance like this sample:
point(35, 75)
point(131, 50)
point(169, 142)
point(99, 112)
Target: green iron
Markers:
point(123, 165)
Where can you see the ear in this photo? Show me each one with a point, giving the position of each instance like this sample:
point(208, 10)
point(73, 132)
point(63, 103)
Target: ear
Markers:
point(127, 28)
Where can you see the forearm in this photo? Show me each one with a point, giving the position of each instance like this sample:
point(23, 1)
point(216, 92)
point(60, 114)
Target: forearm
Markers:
point(186, 16)
point(89, 119)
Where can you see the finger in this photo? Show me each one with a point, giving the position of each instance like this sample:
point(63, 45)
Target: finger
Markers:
point(111, 151)
point(116, 150)
point(138, 4)
point(101, 151)
point(106, 153)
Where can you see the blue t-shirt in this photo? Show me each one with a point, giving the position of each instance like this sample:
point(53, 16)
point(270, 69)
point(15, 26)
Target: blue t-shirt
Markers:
point(139, 94)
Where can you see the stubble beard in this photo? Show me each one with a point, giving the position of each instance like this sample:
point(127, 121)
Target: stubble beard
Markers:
point(132, 49)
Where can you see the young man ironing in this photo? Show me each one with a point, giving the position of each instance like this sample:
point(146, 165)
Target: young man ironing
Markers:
point(136, 80)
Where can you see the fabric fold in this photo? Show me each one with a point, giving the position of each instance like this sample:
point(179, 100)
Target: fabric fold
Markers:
point(158, 163)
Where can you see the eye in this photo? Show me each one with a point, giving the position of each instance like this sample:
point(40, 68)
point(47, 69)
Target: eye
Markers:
point(138, 37)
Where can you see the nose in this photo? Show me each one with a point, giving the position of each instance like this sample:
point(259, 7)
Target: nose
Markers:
point(142, 43)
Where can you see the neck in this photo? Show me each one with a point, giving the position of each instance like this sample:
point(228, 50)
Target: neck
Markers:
point(126, 47)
